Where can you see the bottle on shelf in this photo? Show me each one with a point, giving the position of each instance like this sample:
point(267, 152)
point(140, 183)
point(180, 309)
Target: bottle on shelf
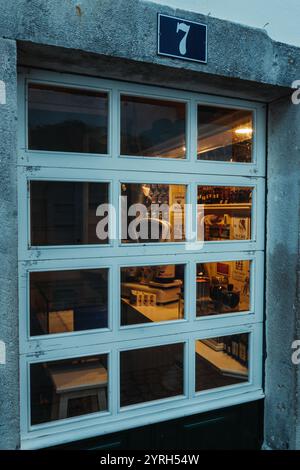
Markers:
point(235, 346)
point(243, 349)
point(227, 345)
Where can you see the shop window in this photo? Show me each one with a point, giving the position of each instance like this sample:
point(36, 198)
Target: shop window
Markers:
point(153, 127)
point(224, 212)
point(65, 213)
point(68, 388)
point(65, 119)
point(152, 294)
point(68, 301)
point(152, 373)
point(124, 318)
point(222, 361)
point(225, 134)
point(223, 287)
point(153, 213)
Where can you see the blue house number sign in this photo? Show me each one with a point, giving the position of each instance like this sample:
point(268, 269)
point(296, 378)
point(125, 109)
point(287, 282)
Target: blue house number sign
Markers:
point(182, 39)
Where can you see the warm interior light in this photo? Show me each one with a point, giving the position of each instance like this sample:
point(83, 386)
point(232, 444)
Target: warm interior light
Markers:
point(244, 131)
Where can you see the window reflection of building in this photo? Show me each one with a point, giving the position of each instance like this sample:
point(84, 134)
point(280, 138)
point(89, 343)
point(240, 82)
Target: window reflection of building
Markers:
point(67, 388)
point(66, 301)
point(225, 134)
point(221, 361)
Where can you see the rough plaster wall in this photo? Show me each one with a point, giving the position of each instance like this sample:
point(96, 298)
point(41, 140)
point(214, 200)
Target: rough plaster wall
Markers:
point(279, 18)
point(9, 385)
point(127, 28)
point(282, 302)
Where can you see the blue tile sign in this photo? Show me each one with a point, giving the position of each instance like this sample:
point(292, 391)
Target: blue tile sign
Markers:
point(182, 39)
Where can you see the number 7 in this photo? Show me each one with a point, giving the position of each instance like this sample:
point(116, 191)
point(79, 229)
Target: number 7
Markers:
point(186, 29)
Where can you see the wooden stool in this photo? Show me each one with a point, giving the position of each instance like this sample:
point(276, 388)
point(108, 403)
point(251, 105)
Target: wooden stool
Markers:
point(78, 381)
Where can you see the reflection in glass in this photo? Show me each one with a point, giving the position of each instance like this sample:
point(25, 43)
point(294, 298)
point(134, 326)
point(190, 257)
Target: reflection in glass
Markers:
point(221, 361)
point(225, 134)
point(223, 287)
point(152, 127)
point(151, 374)
point(64, 213)
point(67, 119)
point(66, 301)
point(67, 388)
point(153, 212)
point(224, 213)
point(152, 294)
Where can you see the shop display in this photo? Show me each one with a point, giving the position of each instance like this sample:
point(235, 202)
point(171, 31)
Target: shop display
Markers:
point(159, 211)
point(237, 347)
point(152, 294)
point(224, 212)
point(219, 291)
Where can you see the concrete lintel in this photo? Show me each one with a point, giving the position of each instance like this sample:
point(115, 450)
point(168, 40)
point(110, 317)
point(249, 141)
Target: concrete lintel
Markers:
point(82, 62)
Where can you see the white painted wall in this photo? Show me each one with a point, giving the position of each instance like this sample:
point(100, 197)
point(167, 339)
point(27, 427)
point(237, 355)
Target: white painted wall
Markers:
point(280, 18)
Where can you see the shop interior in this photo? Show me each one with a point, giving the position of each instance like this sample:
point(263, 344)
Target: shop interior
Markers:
point(68, 388)
point(78, 386)
point(152, 294)
point(223, 287)
point(221, 361)
point(162, 217)
point(224, 213)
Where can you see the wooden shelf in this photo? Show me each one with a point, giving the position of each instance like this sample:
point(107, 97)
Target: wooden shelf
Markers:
point(159, 313)
point(228, 207)
point(221, 361)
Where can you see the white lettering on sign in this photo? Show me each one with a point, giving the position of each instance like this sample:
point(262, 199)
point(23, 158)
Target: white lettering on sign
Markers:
point(2, 92)
point(2, 353)
point(186, 29)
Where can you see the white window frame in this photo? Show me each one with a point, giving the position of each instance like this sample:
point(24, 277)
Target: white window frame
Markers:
point(114, 169)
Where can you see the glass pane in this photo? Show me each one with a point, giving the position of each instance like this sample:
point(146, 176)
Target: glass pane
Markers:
point(153, 127)
point(67, 119)
point(151, 374)
point(67, 388)
point(153, 213)
point(225, 134)
point(64, 213)
point(224, 213)
point(66, 301)
point(152, 294)
point(223, 287)
point(221, 361)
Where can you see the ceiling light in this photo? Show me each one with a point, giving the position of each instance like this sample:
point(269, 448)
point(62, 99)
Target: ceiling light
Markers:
point(244, 131)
